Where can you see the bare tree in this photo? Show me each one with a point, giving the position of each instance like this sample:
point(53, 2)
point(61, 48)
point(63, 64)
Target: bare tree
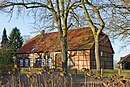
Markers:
point(109, 15)
point(95, 29)
point(54, 14)
point(119, 21)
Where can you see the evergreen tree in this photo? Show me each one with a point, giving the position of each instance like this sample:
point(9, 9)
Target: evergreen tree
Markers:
point(6, 60)
point(15, 39)
point(6, 56)
point(4, 42)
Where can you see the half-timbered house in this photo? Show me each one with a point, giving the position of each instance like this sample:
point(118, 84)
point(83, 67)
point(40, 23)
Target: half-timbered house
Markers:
point(44, 50)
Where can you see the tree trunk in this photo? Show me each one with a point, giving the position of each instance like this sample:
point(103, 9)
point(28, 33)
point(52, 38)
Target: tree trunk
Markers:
point(64, 52)
point(97, 57)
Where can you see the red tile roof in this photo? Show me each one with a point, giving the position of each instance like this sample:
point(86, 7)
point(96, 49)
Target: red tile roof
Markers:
point(78, 39)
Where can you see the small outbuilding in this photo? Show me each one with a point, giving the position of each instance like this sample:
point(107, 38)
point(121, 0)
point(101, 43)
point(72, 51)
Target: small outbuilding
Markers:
point(124, 62)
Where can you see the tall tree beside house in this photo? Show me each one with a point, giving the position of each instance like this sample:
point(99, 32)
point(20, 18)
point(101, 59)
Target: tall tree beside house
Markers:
point(53, 13)
point(15, 39)
point(95, 29)
point(4, 42)
point(106, 14)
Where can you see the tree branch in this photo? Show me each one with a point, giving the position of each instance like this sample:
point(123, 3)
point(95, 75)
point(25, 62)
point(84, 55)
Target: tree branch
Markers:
point(102, 24)
point(88, 17)
point(31, 4)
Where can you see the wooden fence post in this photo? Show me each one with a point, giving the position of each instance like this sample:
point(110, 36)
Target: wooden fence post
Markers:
point(119, 72)
point(85, 80)
point(101, 73)
point(71, 81)
point(119, 69)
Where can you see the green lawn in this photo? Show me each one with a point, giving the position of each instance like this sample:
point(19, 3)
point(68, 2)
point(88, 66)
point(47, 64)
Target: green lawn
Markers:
point(109, 73)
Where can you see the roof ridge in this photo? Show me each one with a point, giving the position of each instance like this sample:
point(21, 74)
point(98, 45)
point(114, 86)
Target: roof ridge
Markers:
point(71, 29)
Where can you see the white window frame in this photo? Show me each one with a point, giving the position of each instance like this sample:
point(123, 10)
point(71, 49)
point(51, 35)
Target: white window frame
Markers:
point(21, 62)
point(31, 62)
point(26, 62)
point(43, 62)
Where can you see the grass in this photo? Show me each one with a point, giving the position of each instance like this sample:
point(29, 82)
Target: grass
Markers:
point(105, 73)
point(125, 73)
point(108, 73)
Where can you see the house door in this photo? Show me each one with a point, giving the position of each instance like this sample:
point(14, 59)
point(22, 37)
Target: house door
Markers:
point(58, 61)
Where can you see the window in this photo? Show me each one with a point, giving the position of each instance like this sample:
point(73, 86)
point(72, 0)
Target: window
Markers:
point(94, 63)
point(101, 53)
point(49, 62)
point(43, 62)
point(31, 62)
point(71, 63)
point(38, 62)
point(26, 62)
point(21, 62)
